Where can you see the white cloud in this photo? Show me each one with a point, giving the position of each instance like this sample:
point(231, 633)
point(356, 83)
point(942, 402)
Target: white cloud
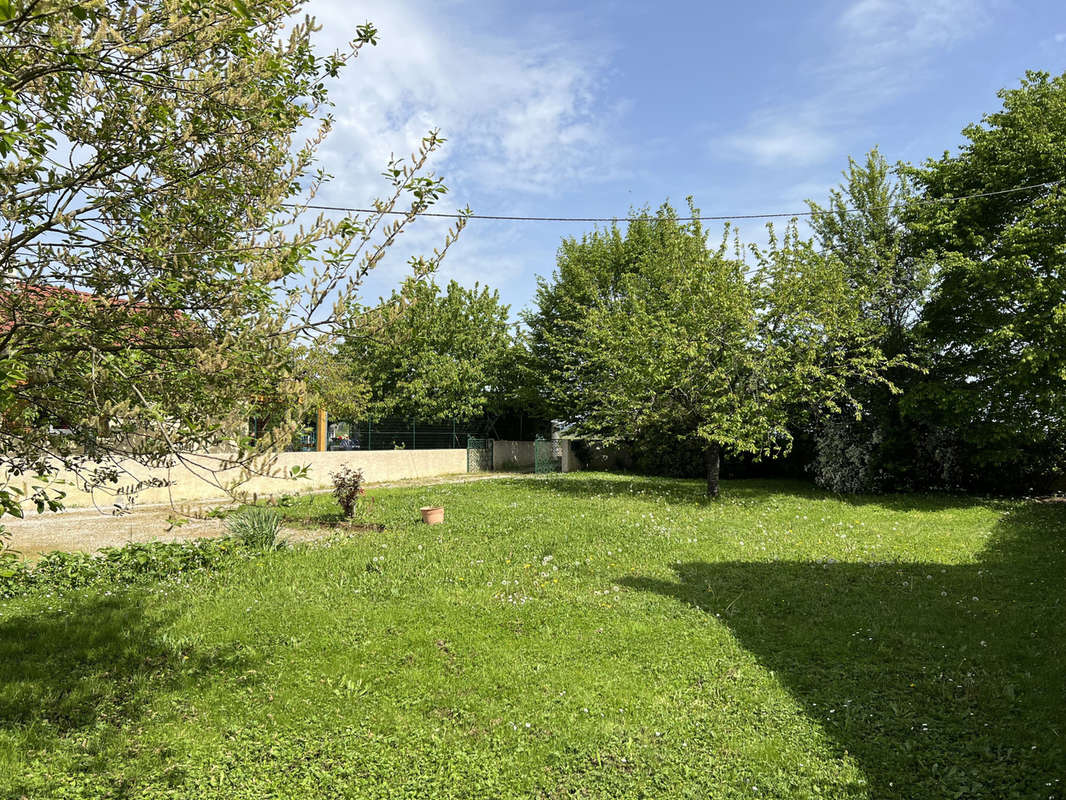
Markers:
point(893, 25)
point(1060, 37)
point(878, 50)
point(769, 139)
point(885, 46)
point(522, 111)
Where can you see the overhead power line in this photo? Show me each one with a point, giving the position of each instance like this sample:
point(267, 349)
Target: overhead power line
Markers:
point(508, 218)
point(700, 218)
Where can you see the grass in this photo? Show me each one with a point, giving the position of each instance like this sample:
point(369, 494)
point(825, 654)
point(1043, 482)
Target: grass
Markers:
point(571, 636)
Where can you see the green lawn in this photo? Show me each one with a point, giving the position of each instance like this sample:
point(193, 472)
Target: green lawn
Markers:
point(573, 636)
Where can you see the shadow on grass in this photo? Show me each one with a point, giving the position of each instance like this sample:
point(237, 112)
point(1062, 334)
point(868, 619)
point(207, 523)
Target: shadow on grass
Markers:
point(88, 672)
point(745, 490)
point(942, 680)
point(593, 484)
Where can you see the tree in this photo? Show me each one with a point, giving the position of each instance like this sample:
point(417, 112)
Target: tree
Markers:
point(159, 269)
point(331, 384)
point(995, 325)
point(862, 226)
point(655, 330)
point(432, 356)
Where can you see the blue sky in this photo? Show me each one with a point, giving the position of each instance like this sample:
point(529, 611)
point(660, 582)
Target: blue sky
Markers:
point(587, 109)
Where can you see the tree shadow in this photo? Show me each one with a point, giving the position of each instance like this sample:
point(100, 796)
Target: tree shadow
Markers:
point(680, 490)
point(745, 490)
point(928, 501)
point(941, 680)
point(88, 672)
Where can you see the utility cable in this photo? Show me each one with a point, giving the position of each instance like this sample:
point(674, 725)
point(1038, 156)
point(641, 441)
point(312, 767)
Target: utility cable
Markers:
point(508, 218)
point(700, 218)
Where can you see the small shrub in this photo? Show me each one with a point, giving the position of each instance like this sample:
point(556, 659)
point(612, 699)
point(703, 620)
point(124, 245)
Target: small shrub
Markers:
point(256, 527)
point(847, 456)
point(133, 563)
point(348, 488)
point(13, 573)
point(12, 568)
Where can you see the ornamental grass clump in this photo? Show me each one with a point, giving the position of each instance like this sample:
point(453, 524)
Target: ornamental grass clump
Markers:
point(347, 489)
point(256, 527)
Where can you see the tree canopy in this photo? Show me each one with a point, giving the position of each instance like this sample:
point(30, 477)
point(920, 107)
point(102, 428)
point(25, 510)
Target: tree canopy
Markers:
point(160, 269)
point(862, 225)
point(655, 329)
point(432, 355)
point(995, 325)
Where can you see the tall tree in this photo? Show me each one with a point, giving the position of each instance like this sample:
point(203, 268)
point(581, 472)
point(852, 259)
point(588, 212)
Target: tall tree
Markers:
point(995, 325)
point(862, 226)
point(654, 329)
point(431, 355)
point(158, 266)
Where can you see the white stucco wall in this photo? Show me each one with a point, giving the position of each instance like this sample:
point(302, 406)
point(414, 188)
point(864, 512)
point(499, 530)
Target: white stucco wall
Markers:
point(186, 486)
point(510, 456)
point(378, 466)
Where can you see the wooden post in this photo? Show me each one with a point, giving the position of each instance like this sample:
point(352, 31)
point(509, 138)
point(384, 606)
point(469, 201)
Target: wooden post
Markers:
point(321, 437)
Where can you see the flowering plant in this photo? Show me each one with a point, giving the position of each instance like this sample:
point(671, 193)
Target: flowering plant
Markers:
point(348, 488)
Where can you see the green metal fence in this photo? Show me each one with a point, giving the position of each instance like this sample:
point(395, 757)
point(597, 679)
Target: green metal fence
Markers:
point(396, 434)
point(547, 455)
point(478, 454)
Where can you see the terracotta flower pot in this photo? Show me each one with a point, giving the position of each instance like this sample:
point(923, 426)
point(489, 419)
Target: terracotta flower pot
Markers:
point(433, 515)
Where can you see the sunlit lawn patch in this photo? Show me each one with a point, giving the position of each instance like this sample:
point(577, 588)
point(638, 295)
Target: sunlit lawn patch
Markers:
point(580, 635)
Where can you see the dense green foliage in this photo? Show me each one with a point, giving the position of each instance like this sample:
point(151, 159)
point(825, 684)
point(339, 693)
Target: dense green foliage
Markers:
point(158, 264)
point(973, 292)
point(431, 355)
point(582, 635)
point(655, 331)
point(954, 272)
point(995, 325)
point(131, 563)
point(861, 225)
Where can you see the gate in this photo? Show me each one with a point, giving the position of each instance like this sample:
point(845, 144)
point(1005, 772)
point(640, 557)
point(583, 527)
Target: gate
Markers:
point(478, 454)
point(547, 455)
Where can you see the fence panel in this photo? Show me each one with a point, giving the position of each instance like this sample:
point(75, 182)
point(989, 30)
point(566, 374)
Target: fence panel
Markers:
point(547, 455)
point(478, 455)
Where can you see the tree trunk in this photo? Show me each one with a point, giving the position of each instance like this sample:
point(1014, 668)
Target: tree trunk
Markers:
point(711, 458)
